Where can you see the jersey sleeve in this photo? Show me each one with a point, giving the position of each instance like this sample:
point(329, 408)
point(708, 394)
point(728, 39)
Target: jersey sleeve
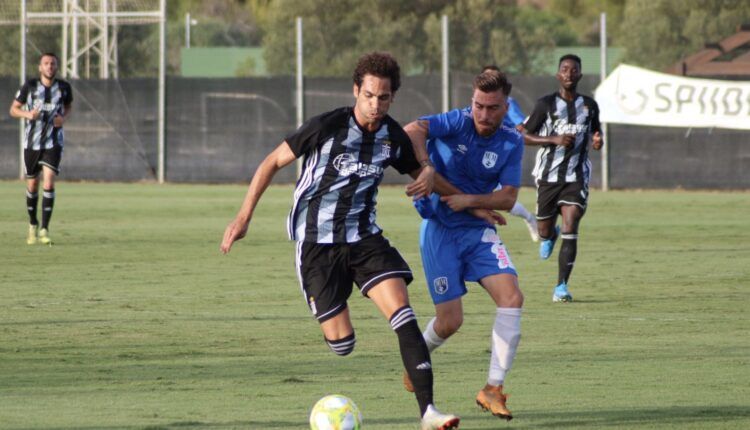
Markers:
point(511, 173)
point(405, 161)
point(67, 95)
point(515, 115)
point(23, 93)
point(444, 124)
point(306, 137)
point(595, 124)
point(537, 117)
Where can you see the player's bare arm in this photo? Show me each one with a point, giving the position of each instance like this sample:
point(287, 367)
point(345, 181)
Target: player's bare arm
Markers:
point(559, 140)
point(503, 199)
point(597, 141)
point(17, 111)
point(275, 161)
point(424, 183)
point(445, 188)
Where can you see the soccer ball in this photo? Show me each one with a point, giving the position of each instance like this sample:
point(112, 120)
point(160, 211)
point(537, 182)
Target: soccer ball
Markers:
point(335, 412)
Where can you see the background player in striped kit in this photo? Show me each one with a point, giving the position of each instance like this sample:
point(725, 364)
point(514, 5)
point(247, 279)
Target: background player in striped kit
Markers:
point(563, 123)
point(47, 102)
point(333, 220)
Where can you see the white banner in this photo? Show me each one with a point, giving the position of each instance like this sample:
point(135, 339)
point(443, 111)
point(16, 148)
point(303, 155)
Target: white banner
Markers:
point(631, 95)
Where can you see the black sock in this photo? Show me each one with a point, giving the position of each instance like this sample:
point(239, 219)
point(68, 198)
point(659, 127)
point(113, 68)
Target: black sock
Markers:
point(48, 202)
point(414, 354)
point(567, 257)
point(552, 236)
point(31, 202)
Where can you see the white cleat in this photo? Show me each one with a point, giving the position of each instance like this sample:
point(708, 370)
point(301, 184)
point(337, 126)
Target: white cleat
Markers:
point(433, 419)
point(531, 225)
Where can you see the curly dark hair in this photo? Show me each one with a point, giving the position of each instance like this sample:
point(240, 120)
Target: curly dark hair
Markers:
point(380, 64)
point(492, 80)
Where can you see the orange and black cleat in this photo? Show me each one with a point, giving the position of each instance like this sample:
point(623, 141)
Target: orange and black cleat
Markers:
point(491, 398)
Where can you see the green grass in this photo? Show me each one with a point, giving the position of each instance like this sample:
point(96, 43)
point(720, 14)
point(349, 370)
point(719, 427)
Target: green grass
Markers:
point(134, 320)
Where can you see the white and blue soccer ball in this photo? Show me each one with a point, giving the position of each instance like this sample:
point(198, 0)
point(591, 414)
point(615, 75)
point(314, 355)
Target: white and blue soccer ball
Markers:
point(335, 412)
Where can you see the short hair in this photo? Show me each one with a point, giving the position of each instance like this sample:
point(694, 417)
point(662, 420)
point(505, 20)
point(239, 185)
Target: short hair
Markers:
point(49, 54)
point(380, 64)
point(490, 67)
point(573, 57)
point(492, 80)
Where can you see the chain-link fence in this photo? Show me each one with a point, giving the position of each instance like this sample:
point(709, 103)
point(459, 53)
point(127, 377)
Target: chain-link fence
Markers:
point(219, 130)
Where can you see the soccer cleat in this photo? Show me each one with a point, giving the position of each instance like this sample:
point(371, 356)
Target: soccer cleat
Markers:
point(491, 398)
point(433, 419)
point(547, 245)
point(561, 294)
point(531, 225)
point(408, 386)
point(44, 238)
point(31, 239)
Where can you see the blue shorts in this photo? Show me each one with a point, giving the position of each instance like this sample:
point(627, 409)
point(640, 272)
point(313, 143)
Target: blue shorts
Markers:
point(452, 256)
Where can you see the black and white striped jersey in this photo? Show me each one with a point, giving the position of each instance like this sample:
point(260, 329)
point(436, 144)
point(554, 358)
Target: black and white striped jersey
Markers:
point(552, 116)
point(51, 101)
point(335, 196)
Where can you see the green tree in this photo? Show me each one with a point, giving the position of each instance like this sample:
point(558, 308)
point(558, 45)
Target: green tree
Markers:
point(583, 17)
point(658, 33)
point(337, 33)
point(481, 32)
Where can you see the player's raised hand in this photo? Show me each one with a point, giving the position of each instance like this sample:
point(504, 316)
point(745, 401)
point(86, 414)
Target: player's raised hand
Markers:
point(488, 215)
point(597, 141)
point(564, 139)
point(236, 230)
point(423, 184)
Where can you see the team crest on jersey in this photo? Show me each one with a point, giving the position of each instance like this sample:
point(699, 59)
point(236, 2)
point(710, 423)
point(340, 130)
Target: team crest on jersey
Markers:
point(489, 159)
point(386, 149)
point(440, 285)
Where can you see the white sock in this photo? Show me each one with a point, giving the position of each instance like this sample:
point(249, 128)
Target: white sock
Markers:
point(506, 333)
point(431, 337)
point(520, 211)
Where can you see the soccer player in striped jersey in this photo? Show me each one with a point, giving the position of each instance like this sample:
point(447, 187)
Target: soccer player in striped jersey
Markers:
point(45, 104)
point(563, 123)
point(473, 153)
point(345, 152)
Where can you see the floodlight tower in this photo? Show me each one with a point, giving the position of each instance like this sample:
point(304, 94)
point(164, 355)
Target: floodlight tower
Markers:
point(103, 20)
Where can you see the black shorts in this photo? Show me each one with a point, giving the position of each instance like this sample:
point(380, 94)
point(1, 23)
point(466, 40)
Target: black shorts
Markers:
point(33, 160)
point(327, 271)
point(550, 196)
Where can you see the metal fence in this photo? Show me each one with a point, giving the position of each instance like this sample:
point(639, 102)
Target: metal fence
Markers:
point(219, 130)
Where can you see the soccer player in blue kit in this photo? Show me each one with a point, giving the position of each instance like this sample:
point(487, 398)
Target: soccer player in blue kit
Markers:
point(478, 160)
point(514, 118)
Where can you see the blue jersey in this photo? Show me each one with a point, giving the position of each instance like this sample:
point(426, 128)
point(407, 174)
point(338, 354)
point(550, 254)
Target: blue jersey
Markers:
point(472, 163)
point(515, 115)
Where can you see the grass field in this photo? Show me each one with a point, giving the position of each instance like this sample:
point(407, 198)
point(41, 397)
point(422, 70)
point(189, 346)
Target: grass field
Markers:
point(134, 320)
